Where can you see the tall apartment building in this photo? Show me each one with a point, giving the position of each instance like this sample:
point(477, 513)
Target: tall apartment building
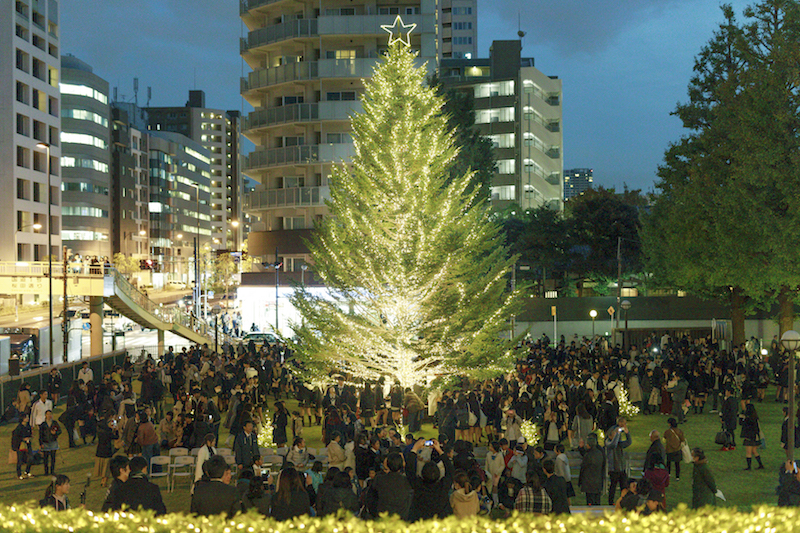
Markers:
point(217, 131)
point(130, 181)
point(180, 203)
point(30, 125)
point(85, 160)
point(577, 181)
point(308, 60)
point(519, 108)
point(458, 29)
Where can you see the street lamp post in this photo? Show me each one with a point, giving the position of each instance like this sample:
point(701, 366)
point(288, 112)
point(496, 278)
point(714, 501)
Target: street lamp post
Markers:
point(791, 341)
point(593, 314)
point(626, 304)
point(46, 146)
point(216, 310)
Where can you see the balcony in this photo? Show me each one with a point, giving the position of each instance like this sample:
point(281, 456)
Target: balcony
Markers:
point(280, 115)
point(292, 29)
point(264, 118)
point(290, 197)
point(247, 5)
point(298, 155)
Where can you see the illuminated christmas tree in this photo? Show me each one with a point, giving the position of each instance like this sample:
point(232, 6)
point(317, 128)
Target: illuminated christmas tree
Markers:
point(417, 273)
point(265, 435)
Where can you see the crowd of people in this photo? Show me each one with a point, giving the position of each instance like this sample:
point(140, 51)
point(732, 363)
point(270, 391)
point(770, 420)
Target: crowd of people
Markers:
point(561, 402)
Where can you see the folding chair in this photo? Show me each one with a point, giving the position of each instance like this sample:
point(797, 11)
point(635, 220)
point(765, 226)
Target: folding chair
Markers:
point(178, 452)
point(183, 466)
point(164, 462)
point(224, 451)
point(194, 452)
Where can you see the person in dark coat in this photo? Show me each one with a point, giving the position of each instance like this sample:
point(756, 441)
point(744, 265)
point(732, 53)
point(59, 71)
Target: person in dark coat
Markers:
point(339, 495)
point(291, 499)
point(120, 471)
point(138, 491)
point(390, 492)
point(245, 447)
point(704, 489)
point(789, 485)
point(678, 397)
point(593, 467)
point(656, 453)
point(431, 491)
point(556, 488)
point(214, 494)
point(729, 414)
point(21, 439)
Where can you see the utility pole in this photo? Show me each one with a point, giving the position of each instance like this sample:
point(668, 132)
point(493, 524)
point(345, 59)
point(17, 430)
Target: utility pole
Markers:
point(65, 318)
point(277, 285)
point(619, 284)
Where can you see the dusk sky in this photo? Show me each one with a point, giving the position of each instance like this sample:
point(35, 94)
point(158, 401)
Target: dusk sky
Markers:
point(624, 64)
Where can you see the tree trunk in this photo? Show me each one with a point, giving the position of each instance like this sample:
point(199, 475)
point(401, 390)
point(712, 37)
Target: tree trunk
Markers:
point(737, 317)
point(786, 312)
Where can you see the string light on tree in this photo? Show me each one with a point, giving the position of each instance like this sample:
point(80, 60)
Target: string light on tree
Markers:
point(416, 272)
point(265, 436)
point(531, 433)
point(626, 408)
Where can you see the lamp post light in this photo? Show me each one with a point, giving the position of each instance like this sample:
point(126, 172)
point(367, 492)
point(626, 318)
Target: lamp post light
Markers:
point(625, 305)
point(46, 147)
point(593, 314)
point(303, 269)
point(216, 310)
point(791, 341)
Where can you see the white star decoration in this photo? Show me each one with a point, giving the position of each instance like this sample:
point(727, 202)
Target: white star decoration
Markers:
point(397, 30)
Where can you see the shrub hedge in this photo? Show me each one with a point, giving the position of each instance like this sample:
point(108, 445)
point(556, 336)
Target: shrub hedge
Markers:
point(20, 519)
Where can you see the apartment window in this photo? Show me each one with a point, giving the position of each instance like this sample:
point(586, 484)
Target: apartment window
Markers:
point(39, 69)
point(340, 54)
point(292, 141)
point(52, 106)
point(23, 157)
point(500, 88)
point(37, 192)
point(462, 11)
point(39, 42)
point(338, 138)
point(23, 93)
point(22, 32)
point(462, 40)
point(506, 166)
point(53, 135)
point(52, 76)
point(340, 11)
point(341, 95)
point(462, 25)
point(23, 189)
point(503, 192)
point(52, 50)
point(291, 100)
point(23, 125)
point(293, 181)
point(388, 11)
point(505, 140)
point(486, 116)
point(22, 9)
point(294, 223)
point(23, 61)
point(38, 19)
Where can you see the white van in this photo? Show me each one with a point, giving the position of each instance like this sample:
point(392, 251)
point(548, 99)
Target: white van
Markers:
point(174, 285)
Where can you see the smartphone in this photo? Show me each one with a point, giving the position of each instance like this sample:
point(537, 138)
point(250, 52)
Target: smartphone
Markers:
point(428, 443)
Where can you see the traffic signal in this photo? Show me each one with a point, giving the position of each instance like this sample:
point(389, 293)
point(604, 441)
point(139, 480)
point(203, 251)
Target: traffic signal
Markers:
point(143, 264)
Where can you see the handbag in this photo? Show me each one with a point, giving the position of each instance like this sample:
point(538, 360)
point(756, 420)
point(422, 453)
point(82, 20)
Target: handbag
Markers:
point(686, 452)
point(472, 418)
point(484, 419)
point(721, 438)
point(12, 457)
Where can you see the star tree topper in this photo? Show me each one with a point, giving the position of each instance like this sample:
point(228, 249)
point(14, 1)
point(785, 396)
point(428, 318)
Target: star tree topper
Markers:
point(397, 30)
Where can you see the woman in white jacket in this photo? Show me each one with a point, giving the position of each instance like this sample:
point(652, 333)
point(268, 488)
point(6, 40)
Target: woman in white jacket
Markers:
point(495, 464)
point(203, 455)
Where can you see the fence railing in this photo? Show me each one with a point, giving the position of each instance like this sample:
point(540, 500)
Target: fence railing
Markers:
point(38, 378)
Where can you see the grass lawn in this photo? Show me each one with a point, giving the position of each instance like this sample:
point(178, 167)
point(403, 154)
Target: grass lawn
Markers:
point(742, 489)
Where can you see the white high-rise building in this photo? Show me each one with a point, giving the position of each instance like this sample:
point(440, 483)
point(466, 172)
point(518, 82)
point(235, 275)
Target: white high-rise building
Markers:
point(308, 60)
point(30, 124)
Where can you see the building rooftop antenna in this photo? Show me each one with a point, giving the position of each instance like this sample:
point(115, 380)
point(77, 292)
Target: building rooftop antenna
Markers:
point(520, 33)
